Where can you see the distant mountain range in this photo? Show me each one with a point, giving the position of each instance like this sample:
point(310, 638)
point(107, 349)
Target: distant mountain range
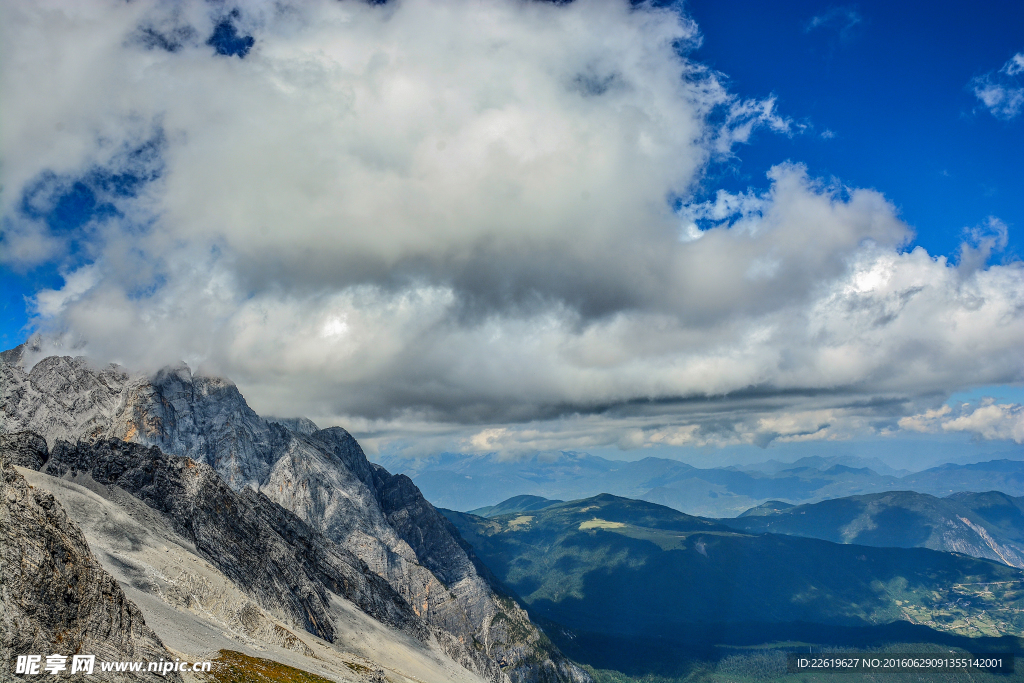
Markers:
point(470, 482)
point(986, 525)
point(818, 462)
point(637, 587)
point(983, 525)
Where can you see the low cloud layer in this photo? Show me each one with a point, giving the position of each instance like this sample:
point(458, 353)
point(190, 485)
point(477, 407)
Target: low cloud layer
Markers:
point(469, 225)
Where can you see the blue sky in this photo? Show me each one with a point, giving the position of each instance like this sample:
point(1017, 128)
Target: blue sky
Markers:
point(892, 82)
point(537, 226)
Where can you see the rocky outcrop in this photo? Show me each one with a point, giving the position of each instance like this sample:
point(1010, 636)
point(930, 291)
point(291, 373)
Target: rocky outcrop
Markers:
point(321, 476)
point(24, 449)
point(509, 637)
point(203, 418)
point(55, 598)
point(299, 425)
point(386, 521)
point(264, 549)
point(328, 482)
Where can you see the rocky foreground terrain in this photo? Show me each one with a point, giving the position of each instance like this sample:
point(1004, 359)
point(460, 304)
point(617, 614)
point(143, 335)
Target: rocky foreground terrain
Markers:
point(296, 539)
point(56, 596)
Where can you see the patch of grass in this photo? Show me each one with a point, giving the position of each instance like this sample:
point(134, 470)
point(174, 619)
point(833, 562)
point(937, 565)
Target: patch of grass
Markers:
point(600, 524)
point(235, 667)
point(359, 668)
point(519, 522)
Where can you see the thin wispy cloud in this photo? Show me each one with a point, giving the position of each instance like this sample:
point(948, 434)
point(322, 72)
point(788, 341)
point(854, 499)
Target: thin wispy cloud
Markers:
point(839, 19)
point(1002, 92)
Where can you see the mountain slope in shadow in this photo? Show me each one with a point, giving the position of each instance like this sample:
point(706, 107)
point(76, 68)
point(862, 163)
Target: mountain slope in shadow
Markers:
point(610, 570)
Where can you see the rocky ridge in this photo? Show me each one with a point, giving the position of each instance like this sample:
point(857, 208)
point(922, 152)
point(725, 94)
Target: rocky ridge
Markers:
point(322, 476)
point(274, 556)
point(56, 596)
point(198, 611)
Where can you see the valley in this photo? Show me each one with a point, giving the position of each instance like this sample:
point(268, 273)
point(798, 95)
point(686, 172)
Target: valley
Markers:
point(635, 587)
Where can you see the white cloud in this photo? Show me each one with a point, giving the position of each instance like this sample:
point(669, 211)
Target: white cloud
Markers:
point(928, 421)
point(991, 421)
point(451, 221)
point(1015, 65)
point(987, 420)
point(1002, 92)
point(747, 115)
point(981, 242)
point(52, 302)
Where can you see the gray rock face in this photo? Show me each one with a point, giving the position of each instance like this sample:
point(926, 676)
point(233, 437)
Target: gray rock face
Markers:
point(202, 418)
point(511, 639)
point(263, 548)
point(322, 476)
point(24, 449)
point(299, 425)
point(55, 598)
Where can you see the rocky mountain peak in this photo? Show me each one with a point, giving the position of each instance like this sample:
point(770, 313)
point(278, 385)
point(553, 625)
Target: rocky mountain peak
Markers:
point(299, 425)
point(320, 477)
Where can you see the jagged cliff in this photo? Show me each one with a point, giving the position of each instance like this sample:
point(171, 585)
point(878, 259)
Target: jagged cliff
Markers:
point(260, 546)
point(321, 476)
point(56, 597)
point(175, 564)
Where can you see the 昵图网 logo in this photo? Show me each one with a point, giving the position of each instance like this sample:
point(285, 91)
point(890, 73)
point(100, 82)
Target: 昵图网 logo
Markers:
point(34, 665)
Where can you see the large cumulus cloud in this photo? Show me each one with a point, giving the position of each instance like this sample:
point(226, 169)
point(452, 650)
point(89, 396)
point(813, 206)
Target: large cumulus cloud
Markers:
point(470, 222)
